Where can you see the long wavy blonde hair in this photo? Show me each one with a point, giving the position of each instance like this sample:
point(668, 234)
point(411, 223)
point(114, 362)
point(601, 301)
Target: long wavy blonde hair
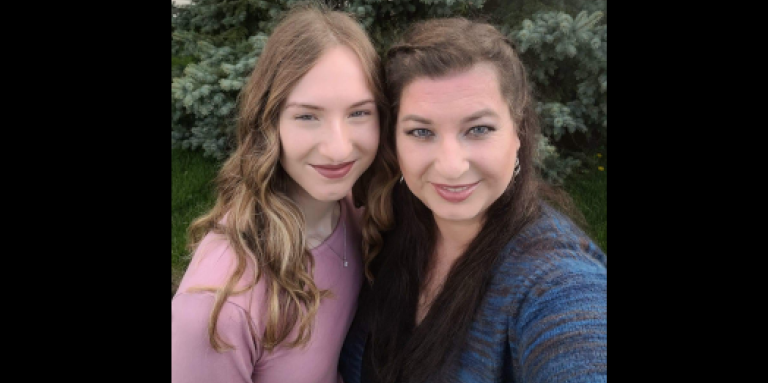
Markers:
point(263, 225)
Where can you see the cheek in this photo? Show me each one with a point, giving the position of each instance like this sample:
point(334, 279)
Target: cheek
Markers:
point(368, 139)
point(294, 144)
point(498, 160)
point(412, 159)
point(402, 155)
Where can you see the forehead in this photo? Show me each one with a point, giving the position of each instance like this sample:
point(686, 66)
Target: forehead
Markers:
point(454, 94)
point(337, 76)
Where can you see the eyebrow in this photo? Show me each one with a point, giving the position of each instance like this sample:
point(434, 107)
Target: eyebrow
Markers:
point(418, 119)
point(315, 107)
point(474, 116)
point(361, 103)
point(478, 115)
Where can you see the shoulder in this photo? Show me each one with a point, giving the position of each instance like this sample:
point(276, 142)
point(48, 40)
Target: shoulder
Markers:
point(191, 312)
point(556, 307)
point(553, 238)
point(551, 250)
point(212, 264)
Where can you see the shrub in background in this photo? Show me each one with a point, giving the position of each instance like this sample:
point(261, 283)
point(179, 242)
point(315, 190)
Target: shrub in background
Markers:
point(562, 43)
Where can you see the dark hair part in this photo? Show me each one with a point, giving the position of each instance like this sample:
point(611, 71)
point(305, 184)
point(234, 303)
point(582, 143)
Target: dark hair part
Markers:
point(400, 351)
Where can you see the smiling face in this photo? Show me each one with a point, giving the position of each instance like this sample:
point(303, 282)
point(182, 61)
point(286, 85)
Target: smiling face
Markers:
point(329, 127)
point(456, 142)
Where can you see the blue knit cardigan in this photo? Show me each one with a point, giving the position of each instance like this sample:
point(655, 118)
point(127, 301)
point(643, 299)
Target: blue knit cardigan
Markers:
point(543, 318)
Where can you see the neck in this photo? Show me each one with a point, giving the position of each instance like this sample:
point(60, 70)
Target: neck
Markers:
point(320, 217)
point(453, 237)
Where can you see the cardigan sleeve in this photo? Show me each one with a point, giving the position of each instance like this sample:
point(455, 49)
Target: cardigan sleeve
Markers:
point(351, 357)
point(560, 332)
point(192, 357)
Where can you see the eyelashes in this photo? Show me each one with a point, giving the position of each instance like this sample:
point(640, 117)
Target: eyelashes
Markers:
point(474, 132)
point(312, 117)
point(420, 133)
point(360, 113)
point(480, 130)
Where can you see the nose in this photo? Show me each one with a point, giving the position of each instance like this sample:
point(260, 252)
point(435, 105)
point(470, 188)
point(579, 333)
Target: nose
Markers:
point(336, 144)
point(451, 161)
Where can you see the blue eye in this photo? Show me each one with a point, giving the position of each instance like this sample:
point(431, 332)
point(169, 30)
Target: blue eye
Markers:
point(360, 113)
point(480, 130)
point(305, 117)
point(420, 133)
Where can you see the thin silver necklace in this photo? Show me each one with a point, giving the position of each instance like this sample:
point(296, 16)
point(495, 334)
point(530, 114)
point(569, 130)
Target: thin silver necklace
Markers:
point(343, 257)
point(344, 228)
point(345, 242)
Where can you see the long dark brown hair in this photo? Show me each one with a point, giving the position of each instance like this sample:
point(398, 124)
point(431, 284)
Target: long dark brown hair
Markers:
point(399, 350)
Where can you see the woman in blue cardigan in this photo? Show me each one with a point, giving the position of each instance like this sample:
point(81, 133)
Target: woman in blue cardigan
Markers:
point(478, 278)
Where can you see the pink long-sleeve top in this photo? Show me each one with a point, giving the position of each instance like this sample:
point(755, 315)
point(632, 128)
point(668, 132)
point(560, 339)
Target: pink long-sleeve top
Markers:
point(194, 360)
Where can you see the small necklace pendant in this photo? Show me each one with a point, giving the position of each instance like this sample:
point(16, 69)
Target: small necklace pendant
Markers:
point(345, 263)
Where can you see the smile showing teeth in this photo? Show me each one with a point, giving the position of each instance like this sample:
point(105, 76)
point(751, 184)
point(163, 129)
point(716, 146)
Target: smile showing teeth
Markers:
point(455, 194)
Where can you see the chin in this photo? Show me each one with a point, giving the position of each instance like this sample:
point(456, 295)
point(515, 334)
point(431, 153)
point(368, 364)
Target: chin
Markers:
point(457, 217)
point(454, 214)
point(330, 195)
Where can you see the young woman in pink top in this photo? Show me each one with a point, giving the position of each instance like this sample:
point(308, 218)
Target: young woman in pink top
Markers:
point(271, 288)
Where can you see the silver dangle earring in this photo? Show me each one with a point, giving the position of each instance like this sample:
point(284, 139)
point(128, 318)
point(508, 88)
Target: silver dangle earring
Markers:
point(517, 167)
point(402, 178)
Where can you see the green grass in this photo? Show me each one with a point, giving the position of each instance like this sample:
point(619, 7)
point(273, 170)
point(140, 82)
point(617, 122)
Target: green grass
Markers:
point(192, 193)
point(589, 188)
